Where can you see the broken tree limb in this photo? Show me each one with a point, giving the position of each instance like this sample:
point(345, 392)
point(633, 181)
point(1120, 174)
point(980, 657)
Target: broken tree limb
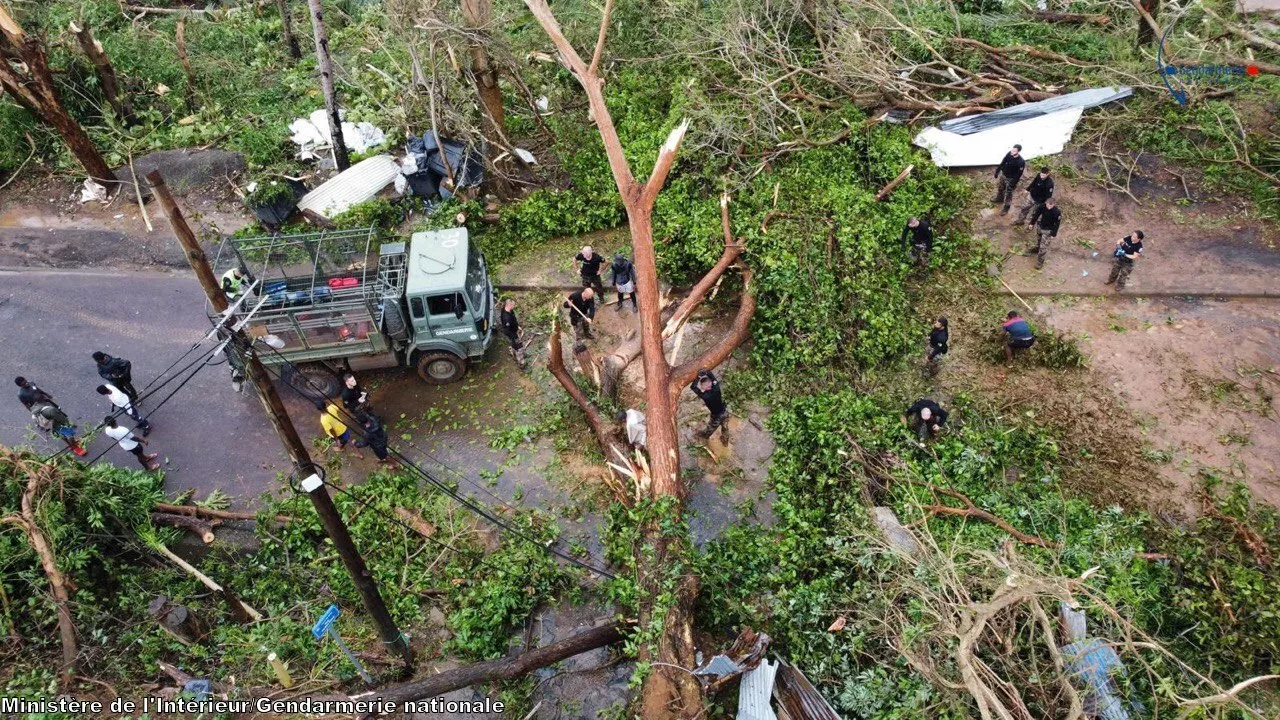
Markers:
point(1227, 696)
point(970, 510)
point(235, 602)
point(417, 522)
point(39, 477)
point(200, 528)
point(197, 511)
point(600, 427)
point(732, 252)
point(505, 669)
point(105, 71)
point(887, 189)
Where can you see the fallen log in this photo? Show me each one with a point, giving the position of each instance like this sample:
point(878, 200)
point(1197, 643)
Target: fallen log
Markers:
point(200, 528)
point(196, 511)
point(505, 669)
point(416, 521)
point(239, 606)
point(970, 510)
point(888, 189)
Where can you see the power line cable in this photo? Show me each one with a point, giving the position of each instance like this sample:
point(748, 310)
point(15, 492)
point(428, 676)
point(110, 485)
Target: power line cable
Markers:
point(436, 482)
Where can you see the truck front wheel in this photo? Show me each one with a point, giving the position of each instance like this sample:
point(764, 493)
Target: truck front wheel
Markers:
point(441, 368)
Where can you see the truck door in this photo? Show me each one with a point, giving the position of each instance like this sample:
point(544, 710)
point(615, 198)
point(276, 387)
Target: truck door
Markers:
point(448, 316)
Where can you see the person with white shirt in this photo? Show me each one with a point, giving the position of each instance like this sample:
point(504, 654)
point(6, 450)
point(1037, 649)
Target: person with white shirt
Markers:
point(120, 400)
point(129, 442)
point(637, 431)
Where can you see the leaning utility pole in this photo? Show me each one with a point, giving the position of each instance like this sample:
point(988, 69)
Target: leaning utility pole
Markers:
point(257, 375)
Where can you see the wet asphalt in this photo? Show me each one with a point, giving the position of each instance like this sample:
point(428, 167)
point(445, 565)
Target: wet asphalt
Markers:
point(208, 436)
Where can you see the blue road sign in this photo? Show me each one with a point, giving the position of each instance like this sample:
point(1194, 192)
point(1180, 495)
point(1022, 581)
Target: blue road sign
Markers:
point(321, 628)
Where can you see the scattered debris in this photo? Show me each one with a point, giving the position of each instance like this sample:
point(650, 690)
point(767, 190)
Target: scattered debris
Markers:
point(93, 190)
point(838, 625)
point(313, 136)
point(1091, 662)
point(745, 654)
point(797, 697)
point(449, 164)
point(359, 183)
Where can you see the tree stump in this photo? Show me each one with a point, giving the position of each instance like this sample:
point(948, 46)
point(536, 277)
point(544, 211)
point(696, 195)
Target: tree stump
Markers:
point(177, 620)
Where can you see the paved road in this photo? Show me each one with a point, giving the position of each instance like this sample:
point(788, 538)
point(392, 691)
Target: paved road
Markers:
point(52, 320)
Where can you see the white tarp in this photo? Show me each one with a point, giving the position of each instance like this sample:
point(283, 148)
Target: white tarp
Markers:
point(359, 183)
point(1044, 135)
point(312, 136)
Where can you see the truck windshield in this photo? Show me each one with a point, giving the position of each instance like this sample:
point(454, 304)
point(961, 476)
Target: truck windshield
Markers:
point(476, 281)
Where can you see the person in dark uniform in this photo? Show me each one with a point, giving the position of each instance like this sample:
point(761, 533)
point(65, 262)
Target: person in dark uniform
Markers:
point(918, 236)
point(1128, 250)
point(925, 417)
point(375, 437)
point(589, 263)
point(118, 372)
point(939, 336)
point(510, 325)
point(1019, 333)
point(707, 387)
point(354, 397)
point(1040, 190)
point(624, 280)
point(1008, 173)
point(1046, 229)
point(582, 308)
point(29, 394)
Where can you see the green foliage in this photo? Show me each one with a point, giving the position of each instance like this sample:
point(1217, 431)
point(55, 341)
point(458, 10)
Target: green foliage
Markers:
point(268, 192)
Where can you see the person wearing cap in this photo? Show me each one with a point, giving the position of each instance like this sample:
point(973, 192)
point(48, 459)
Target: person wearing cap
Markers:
point(589, 262)
point(1008, 173)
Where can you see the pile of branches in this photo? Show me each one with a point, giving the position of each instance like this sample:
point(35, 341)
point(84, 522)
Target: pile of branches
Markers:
point(775, 70)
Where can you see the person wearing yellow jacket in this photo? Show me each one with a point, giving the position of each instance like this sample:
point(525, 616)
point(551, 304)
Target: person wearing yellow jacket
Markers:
point(330, 420)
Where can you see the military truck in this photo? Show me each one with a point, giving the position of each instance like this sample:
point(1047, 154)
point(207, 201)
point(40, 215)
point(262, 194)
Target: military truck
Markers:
point(339, 300)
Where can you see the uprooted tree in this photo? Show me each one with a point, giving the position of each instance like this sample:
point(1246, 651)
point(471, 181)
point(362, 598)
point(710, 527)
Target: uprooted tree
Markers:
point(669, 690)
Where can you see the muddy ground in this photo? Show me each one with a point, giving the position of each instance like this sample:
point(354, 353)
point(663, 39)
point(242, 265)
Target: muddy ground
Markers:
point(1192, 347)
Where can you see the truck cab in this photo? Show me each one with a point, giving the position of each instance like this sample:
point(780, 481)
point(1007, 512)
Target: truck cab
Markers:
point(450, 301)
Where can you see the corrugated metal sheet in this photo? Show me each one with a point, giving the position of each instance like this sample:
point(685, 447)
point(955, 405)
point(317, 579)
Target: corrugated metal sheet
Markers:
point(798, 697)
point(755, 691)
point(359, 183)
point(1004, 116)
point(1038, 136)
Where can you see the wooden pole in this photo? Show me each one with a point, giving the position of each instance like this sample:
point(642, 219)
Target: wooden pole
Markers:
point(326, 85)
point(279, 417)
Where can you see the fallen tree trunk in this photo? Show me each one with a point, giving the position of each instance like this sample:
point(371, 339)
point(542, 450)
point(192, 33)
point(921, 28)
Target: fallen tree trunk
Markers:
point(888, 189)
point(196, 511)
point(105, 71)
point(240, 607)
point(200, 528)
point(505, 669)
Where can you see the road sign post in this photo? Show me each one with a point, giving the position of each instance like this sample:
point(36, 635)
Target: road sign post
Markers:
point(324, 626)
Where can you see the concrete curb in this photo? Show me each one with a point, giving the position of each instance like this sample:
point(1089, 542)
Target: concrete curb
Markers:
point(1223, 294)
